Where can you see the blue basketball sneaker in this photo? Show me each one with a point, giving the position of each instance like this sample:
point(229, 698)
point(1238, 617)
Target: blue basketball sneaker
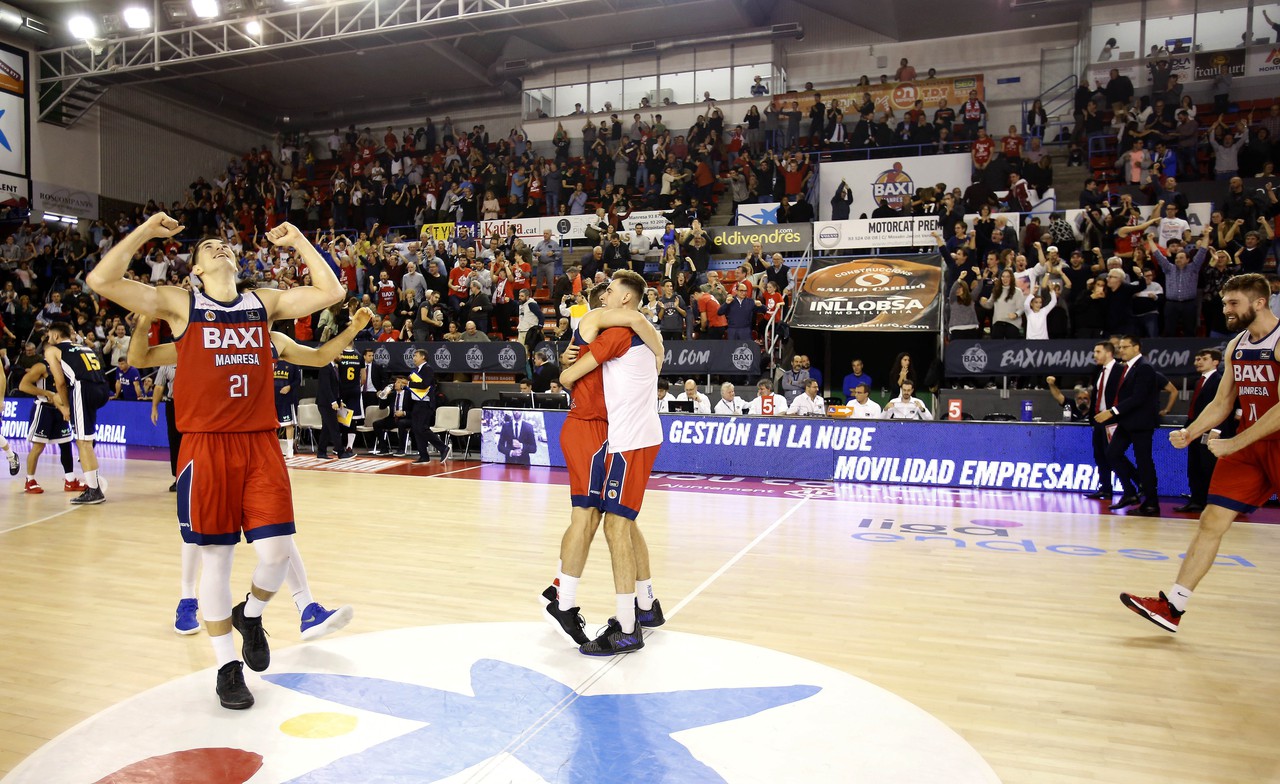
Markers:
point(613, 640)
point(185, 620)
point(317, 621)
point(652, 617)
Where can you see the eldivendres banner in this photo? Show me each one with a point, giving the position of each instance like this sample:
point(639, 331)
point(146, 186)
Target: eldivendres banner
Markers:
point(493, 357)
point(1009, 456)
point(737, 241)
point(894, 180)
point(119, 422)
point(1171, 356)
point(873, 295)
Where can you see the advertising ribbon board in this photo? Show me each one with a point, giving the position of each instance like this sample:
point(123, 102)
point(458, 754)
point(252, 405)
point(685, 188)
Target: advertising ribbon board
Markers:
point(872, 295)
point(1170, 356)
point(495, 357)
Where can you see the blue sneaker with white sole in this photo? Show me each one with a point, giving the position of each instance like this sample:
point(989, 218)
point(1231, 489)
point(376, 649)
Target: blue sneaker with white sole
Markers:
point(318, 622)
point(185, 620)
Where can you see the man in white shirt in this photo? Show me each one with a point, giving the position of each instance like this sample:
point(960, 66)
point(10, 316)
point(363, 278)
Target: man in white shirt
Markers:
point(729, 403)
point(1171, 225)
point(701, 403)
point(907, 406)
point(640, 244)
point(862, 404)
point(766, 402)
point(664, 398)
point(809, 403)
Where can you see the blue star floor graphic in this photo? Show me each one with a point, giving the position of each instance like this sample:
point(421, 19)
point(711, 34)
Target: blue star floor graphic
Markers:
point(509, 702)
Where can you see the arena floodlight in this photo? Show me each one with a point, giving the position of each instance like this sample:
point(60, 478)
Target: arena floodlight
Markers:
point(253, 27)
point(137, 18)
point(177, 12)
point(82, 27)
point(233, 7)
point(205, 9)
point(112, 23)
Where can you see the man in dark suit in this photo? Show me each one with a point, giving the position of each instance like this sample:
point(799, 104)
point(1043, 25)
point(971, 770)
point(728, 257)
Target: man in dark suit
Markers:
point(1136, 413)
point(422, 407)
point(397, 419)
point(517, 440)
point(1105, 383)
point(329, 400)
point(1200, 460)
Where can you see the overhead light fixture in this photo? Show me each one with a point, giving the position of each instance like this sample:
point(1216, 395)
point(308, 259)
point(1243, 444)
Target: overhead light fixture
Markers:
point(205, 9)
point(82, 27)
point(253, 27)
point(177, 12)
point(234, 7)
point(137, 18)
point(112, 23)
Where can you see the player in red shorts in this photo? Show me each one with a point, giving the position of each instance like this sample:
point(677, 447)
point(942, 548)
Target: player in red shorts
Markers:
point(1248, 469)
point(232, 478)
point(635, 433)
point(584, 441)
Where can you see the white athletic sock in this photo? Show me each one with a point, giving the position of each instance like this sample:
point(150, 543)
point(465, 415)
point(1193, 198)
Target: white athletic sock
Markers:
point(190, 570)
point(626, 612)
point(69, 476)
point(4, 444)
point(31, 477)
point(284, 446)
point(91, 479)
point(568, 590)
point(288, 447)
point(351, 440)
point(302, 599)
point(253, 606)
point(224, 648)
point(644, 594)
point(1179, 596)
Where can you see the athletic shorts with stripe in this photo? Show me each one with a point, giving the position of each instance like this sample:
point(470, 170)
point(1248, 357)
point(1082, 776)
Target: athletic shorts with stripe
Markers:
point(1245, 480)
point(233, 482)
point(584, 443)
point(47, 425)
point(626, 474)
point(286, 411)
point(86, 399)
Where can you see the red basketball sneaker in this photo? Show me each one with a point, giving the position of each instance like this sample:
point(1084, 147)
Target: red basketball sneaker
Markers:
point(33, 487)
point(1158, 611)
point(74, 486)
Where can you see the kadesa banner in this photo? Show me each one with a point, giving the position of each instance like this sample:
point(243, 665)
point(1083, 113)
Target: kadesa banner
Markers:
point(1010, 456)
point(119, 422)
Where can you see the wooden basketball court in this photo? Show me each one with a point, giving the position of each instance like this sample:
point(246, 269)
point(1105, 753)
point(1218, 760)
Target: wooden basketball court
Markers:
point(996, 614)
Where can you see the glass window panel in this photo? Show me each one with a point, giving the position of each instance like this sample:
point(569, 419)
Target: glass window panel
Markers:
point(713, 82)
point(677, 86)
point(1126, 39)
point(1170, 32)
point(606, 96)
point(635, 90)
point(1270, 30)
point(539, 100)
point(1222, 29)
point(569, 95)
point(744, 77)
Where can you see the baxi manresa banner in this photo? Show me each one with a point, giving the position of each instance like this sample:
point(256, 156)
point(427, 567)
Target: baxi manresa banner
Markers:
point(897, 294)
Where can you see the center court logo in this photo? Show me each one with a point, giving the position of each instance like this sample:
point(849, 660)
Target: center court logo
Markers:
point(385, 718)
point(974, 359)
point(894, 186)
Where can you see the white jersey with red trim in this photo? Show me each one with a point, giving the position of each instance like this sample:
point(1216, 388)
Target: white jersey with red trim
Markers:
point(629, 382)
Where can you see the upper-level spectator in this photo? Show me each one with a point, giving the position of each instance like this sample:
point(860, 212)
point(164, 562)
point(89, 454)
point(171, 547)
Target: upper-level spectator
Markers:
point(1227, 151)
point(1118, 90)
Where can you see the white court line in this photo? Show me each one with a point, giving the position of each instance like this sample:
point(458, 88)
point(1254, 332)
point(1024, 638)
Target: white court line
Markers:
point(458, 471)
point(737, 557)
point(613, 661)
point(41, 520)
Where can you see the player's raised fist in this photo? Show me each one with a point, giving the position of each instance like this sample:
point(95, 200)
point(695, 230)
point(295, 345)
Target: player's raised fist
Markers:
point(362, 318)
point(285, 235)
point(161, 225)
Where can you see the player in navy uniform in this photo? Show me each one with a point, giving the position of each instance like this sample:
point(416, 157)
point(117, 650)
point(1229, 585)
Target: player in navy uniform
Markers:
point(351, 374)
point(81, 390)
point(47, 427)
point(288, 379)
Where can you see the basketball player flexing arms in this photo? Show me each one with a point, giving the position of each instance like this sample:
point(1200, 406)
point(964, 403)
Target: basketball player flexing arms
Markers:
point(1248, 469)
point(316, 620)
point(232, 477)
point(584, 440)
point(635, 434)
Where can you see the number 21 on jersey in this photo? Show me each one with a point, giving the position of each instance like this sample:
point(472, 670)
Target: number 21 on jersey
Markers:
point(240, 385)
